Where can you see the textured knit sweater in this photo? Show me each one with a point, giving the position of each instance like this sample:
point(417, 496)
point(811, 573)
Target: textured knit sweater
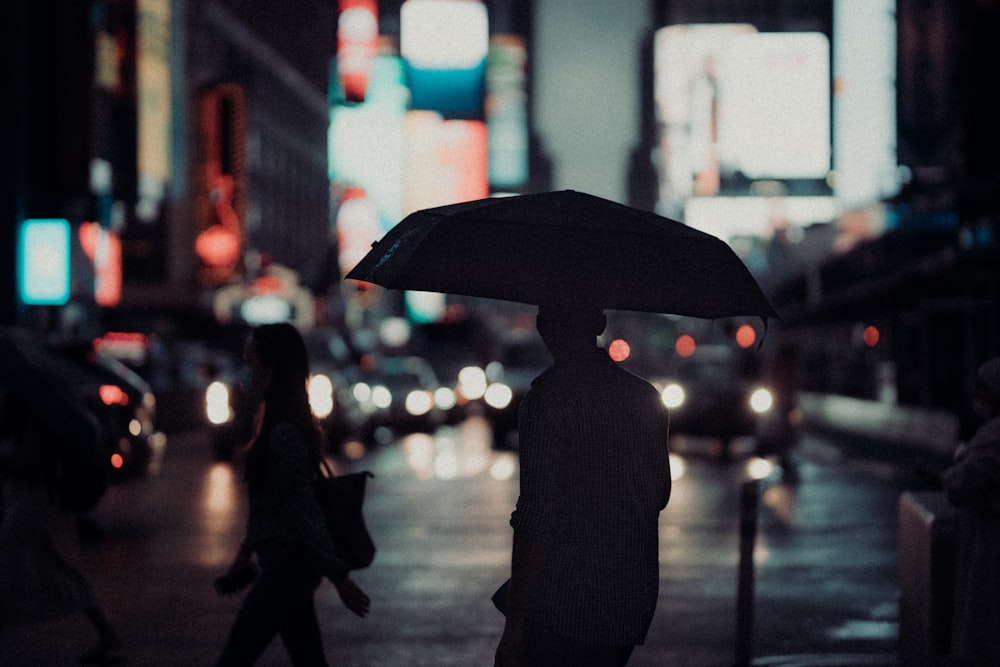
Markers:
point(595, 474)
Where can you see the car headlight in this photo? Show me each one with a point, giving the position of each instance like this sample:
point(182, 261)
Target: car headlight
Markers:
point(381, 397)
point(320, 390)
point(761, 400)
point(419, 402)
point(498, 395)
point(472, 382)
point(217, 407)
point(361, 392)
point(673, 395)
point(444, 398)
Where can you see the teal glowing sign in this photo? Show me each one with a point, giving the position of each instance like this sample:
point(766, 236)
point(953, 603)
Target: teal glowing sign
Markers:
point(43, 262)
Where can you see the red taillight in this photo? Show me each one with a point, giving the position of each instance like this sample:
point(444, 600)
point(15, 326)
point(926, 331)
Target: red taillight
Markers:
point(745, 336)
point(117, 461)
point(685, 346)
point(619, 350)
point(112, 394)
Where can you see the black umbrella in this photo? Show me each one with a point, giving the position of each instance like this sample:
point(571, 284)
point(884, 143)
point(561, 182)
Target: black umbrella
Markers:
point(565, 248)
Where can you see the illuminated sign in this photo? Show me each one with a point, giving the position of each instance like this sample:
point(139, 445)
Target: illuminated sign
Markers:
point(424, 307)
point(218, 245)
point(444, 44)
point(265, 309)
point(687, 95)
point(220, 205)
point(734, 217)
point(737, 105)
point(776, 122)
point(357, 45)
point(154, 104)
point(104, 249)
point(357, 228)
point(365, 145)
point(43, 260)
point(445, 161)
point(507, 111)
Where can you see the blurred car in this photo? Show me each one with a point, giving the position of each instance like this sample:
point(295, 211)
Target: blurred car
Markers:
point(229, 408)
point(516, 360)
point(398, 393)
point(708, 393)
point(124, 405)
point(329, 355)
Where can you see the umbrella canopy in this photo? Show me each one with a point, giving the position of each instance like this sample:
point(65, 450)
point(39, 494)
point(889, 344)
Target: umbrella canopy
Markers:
point(565, 248)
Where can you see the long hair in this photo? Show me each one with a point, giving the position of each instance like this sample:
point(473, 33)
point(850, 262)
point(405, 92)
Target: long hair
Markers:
point(281, 349)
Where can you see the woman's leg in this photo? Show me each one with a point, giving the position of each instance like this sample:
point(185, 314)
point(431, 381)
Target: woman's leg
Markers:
point(302, 638)
point(286, 582)
point(256, 623)
point(108, 640)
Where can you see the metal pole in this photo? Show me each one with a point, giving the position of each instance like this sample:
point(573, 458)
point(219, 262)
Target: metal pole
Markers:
point(749, 500)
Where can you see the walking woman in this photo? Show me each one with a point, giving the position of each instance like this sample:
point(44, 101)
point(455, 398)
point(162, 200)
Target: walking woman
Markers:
point(285, 526)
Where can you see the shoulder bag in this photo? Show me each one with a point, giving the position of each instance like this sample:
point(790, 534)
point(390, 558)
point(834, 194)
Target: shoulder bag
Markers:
point(341, 498)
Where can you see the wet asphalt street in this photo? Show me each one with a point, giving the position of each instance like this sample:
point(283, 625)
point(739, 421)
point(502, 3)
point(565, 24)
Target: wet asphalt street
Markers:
point(826, 588)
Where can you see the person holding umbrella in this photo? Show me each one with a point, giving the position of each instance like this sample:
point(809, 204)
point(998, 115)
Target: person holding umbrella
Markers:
point(595, 474)
point(593, 438)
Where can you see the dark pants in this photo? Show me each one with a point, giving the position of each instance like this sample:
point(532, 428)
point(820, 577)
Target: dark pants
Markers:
point(541, 647)
point(280, 602)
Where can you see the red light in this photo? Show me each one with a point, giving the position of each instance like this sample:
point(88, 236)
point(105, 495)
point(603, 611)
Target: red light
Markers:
point(368, 363)
point(218, 246)
point(117, 461)
point(685, 346)
point(871, 335)
point(104, 249)
point(357, 45)
point(745, 336)
point(268, 285)
point(112, 394)
point(619, 350)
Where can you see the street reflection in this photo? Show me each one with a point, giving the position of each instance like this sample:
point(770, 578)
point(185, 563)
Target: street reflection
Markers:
point(504, 467)
point(219, 508)
point(759, 468)
point(780, 500)
point(458, 452)
point(678, 466)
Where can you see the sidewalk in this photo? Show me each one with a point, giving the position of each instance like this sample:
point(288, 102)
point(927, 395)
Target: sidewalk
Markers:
point(883, 431)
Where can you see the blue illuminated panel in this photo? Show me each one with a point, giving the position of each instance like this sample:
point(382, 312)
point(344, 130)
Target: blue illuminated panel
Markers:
point(43, 261)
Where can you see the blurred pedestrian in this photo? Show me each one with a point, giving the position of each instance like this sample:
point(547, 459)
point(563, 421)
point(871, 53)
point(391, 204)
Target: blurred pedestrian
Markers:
point(595, 474)
point(39, 580)
point(973, 486)
point(285, 526)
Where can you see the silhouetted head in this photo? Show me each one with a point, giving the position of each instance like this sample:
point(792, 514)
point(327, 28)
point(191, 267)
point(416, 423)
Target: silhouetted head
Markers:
point(277, 358)
point(276, 355)
point(566, 329)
